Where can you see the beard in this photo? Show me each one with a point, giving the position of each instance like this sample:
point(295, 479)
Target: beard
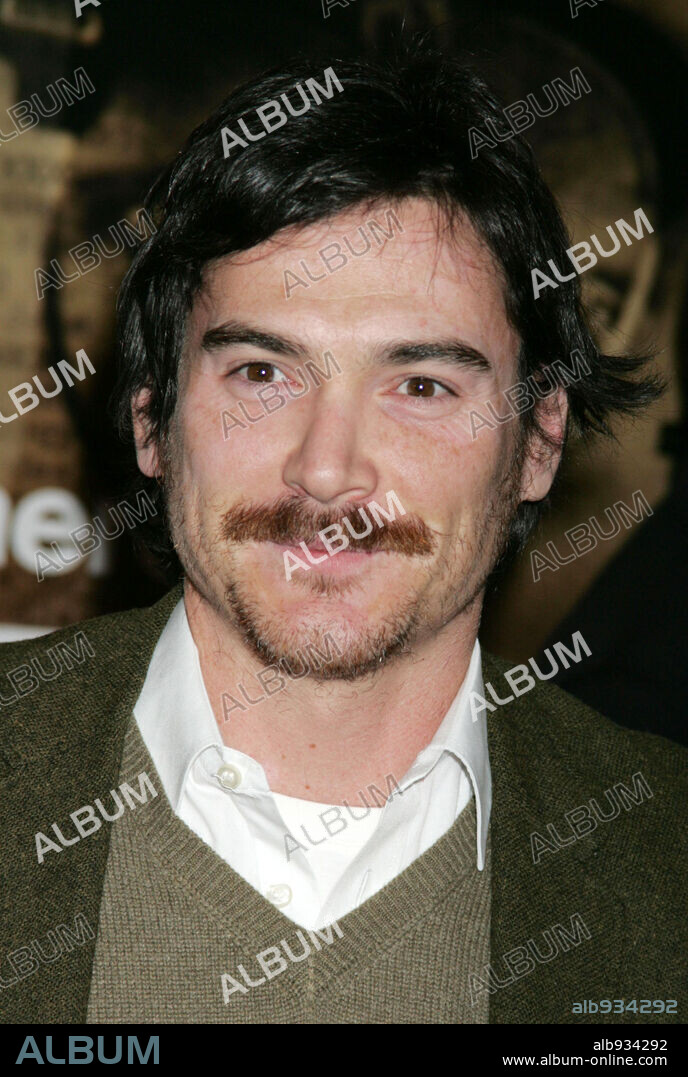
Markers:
point(208, 556)
point(358, 654)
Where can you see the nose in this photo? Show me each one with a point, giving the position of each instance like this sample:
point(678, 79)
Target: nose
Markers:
point(332, 462)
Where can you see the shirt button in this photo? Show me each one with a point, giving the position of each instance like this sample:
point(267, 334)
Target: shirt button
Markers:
point(279, 894)
point(228, 776)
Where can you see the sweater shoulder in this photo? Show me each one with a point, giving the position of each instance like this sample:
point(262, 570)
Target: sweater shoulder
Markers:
point(550, 725)
point(114, 633)
point(105, 629)
point(64, 680)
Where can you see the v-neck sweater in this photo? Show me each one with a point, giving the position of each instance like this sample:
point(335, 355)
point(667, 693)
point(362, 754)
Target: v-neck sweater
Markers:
point(181, 935)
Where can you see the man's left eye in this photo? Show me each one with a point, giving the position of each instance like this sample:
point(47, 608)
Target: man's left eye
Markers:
point(424, 387)
point(261, 372)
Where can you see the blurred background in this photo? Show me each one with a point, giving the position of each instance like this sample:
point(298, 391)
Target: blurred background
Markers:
point(156, 70)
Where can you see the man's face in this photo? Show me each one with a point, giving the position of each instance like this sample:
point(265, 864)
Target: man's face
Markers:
point(418, 328)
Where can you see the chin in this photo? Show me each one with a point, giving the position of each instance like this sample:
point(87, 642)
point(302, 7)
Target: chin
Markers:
point(353, 642)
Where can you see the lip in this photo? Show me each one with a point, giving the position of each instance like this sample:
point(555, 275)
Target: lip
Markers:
point(335, 564)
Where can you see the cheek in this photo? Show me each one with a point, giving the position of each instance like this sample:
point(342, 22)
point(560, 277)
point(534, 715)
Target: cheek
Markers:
point(219, 473)
point(445, 477)
point(474, 475)
point(472, 465)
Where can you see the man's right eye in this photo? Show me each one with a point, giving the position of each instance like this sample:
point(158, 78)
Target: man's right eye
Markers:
point(262, 373)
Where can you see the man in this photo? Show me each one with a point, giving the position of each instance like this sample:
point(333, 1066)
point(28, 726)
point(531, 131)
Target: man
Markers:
point(335, 293)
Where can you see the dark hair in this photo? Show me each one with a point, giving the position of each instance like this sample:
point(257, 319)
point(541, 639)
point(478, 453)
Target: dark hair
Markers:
point(399, 129)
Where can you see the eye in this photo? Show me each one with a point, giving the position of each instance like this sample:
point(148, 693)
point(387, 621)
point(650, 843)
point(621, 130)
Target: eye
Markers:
point(261, 373)
point(419, 386)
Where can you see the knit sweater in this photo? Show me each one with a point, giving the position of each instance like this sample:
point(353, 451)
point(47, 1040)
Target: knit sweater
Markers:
point(587, 877)
point(180, 933)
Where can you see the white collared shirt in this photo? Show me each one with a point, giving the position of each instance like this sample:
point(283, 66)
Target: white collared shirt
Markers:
point(295, 852)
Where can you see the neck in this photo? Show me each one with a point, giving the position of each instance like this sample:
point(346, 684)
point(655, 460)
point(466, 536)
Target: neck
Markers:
point(327, 741)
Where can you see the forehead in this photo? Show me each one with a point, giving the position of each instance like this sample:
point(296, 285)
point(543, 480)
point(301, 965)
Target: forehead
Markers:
point(427, 277)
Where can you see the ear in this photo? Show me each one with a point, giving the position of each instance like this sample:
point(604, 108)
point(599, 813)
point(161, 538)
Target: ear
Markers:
point(147, 450)
point(544, 455)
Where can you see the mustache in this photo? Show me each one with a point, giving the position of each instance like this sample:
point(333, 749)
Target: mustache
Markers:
point(290, 521)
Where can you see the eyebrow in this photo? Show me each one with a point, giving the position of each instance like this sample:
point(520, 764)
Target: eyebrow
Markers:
point(456, 352)
point(444, 351)
point(232, 333)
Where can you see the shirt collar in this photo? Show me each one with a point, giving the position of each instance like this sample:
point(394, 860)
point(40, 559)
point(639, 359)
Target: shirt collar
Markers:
point(174, 689)
point(173, 712)
point(466, 740)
